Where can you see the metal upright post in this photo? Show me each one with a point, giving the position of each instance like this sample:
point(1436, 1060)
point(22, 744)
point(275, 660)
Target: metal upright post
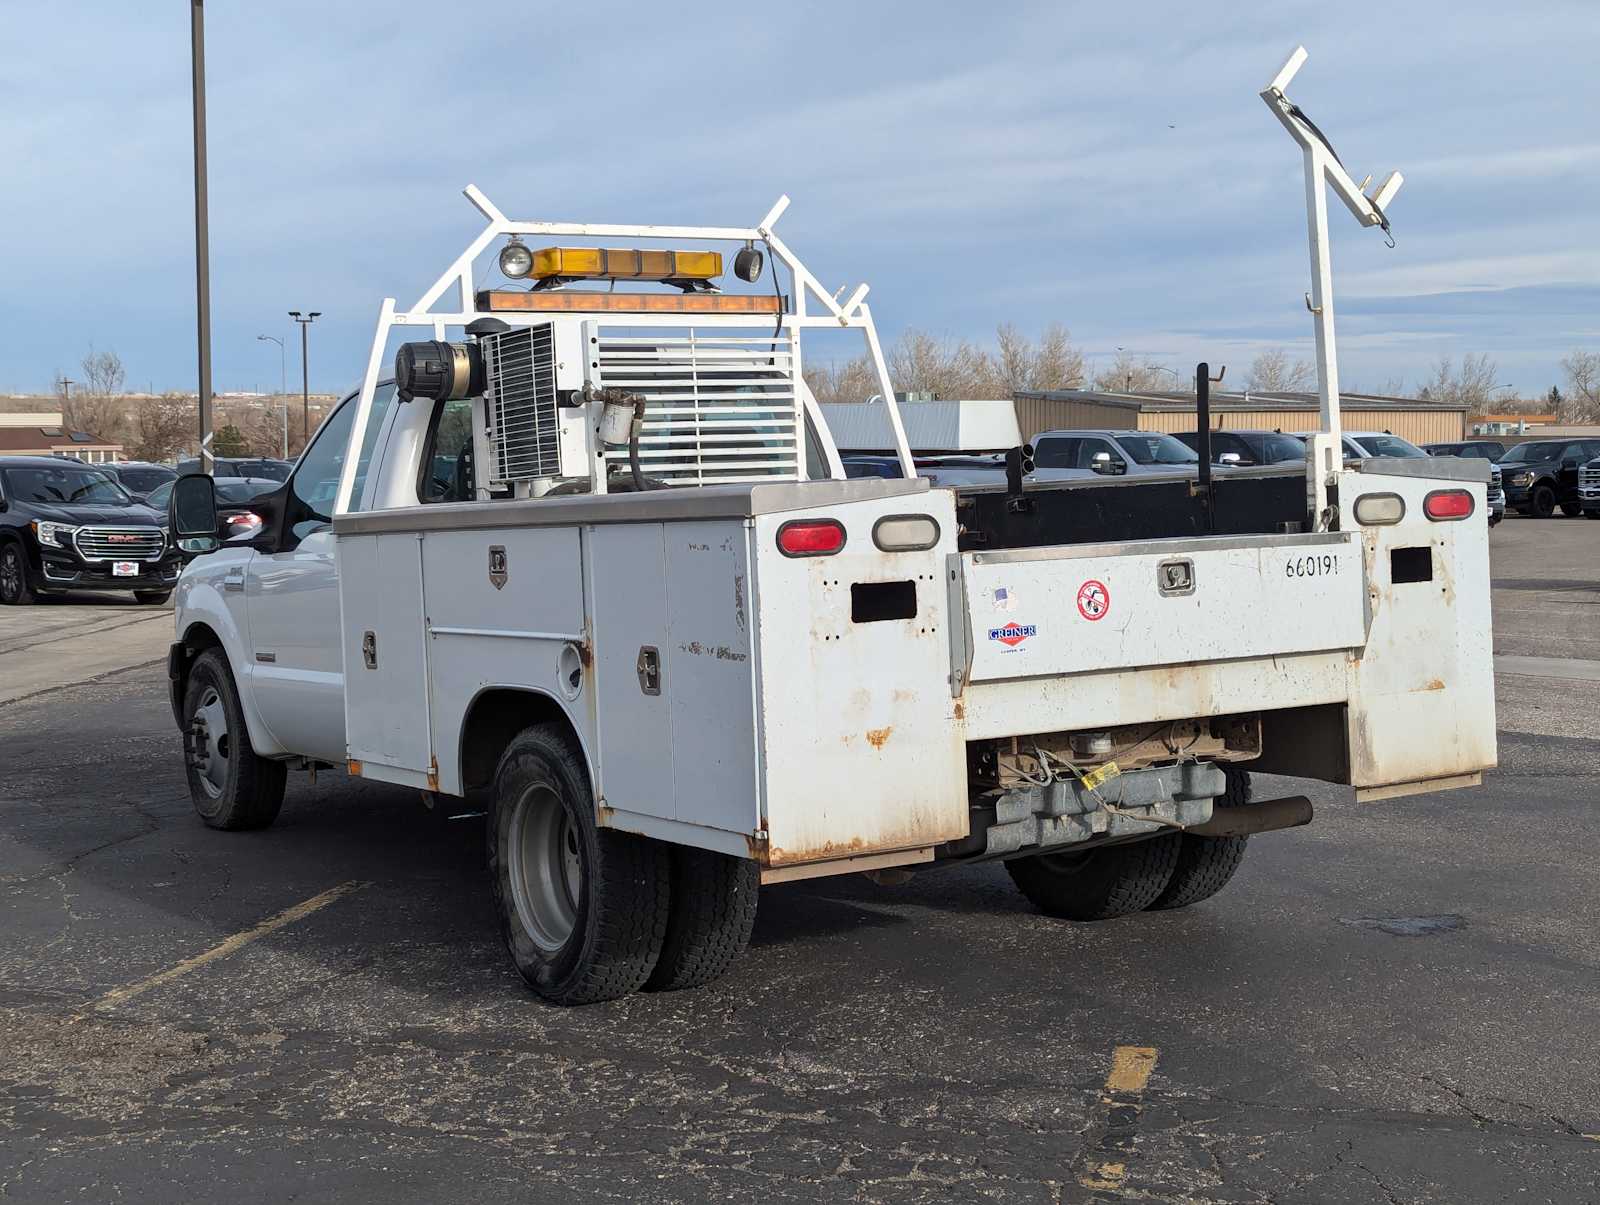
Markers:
point(305, 374)
point(202, 238)
point(1324, 449)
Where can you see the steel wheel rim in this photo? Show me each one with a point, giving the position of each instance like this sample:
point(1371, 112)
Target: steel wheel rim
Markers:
point(546, 868)
point(213, 748)
point(10, 574)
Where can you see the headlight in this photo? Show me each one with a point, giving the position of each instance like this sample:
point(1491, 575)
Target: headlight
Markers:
point(1521, 478)
point(56, 535)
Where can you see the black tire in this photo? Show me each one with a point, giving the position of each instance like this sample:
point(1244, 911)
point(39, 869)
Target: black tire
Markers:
point(232, 788)
point(583, 910)
point(1542, 501)
point(712, 912)
point(1205, 864)
point(1098, 884)
point(16, 588)
point(1591, 514)
point(151, 598)
point(1571, 509)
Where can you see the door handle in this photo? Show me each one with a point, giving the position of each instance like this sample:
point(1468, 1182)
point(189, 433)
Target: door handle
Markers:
point(233, 581)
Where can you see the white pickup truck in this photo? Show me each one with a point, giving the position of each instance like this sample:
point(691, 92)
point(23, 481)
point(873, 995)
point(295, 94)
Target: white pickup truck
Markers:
point(599, 560)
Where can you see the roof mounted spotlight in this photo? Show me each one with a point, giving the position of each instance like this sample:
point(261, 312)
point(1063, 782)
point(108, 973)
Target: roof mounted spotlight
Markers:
point(748, 263)
point(516, 261)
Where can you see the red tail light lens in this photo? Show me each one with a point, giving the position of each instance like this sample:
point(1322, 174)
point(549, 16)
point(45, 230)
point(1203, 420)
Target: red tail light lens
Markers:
point(1447, 504)
point(811, 537)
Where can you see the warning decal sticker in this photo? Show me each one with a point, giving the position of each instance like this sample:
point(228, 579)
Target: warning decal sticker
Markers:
point(1094, 600)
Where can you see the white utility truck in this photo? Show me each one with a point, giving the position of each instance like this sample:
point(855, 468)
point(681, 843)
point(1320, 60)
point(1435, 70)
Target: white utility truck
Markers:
point(597, 558)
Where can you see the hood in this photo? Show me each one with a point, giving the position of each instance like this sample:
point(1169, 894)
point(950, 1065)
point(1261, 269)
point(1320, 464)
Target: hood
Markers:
point(80, 515)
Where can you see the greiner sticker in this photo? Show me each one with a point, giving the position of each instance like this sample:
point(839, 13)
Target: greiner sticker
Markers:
point(1013, 633)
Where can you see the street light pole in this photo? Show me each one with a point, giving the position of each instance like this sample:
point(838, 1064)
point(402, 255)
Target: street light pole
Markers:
point(283, 388)
point(202, 238)
point(305, 375)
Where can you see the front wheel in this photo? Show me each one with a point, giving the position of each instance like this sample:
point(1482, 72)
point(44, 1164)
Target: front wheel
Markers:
point(231, 786)
point(1542, 502)
point(15, 589)
point(1571, 509)
point(1098, 884)
point(1591, 514)
point(583, 910)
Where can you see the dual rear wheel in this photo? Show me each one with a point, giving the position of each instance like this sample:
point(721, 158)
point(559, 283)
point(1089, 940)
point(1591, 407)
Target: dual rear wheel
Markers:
point(589, 913)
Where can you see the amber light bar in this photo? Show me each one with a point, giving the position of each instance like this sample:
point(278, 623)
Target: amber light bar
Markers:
point(572, 263)
point(550, 301)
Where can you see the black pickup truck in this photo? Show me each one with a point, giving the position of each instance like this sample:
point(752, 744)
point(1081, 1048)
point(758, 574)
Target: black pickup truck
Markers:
point(69, 526)
point(1543, 474)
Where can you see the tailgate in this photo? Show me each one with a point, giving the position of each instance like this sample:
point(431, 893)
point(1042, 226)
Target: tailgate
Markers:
point(1079, 608)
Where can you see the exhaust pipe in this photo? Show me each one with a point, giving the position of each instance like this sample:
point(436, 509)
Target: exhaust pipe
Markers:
point(1247, 820)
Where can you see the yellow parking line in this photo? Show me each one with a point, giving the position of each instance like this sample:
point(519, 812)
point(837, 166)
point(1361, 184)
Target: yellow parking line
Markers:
point(222, 949)
point(1125, 1083)
point(1130, 1068)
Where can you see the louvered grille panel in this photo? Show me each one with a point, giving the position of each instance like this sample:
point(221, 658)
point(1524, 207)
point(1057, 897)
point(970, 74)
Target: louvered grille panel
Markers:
point(721, 405)
point(121, 543)
point(520, 370)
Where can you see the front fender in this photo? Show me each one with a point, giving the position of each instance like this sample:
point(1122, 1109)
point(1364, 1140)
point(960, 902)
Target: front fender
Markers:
point(201, 605)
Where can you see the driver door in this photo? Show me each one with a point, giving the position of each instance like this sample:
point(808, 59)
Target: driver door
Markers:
point(292, 596)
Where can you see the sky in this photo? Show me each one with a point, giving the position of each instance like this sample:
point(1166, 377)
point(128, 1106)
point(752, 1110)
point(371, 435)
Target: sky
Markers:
point(1106, 166)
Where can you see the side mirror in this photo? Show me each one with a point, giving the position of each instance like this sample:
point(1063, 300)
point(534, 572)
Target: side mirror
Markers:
point(192, 514)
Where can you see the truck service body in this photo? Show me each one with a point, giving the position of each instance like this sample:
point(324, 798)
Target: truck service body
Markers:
point(602, 561)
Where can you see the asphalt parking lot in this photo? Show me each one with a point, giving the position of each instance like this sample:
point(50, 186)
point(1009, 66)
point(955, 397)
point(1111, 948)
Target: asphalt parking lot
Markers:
point(1396, 1004)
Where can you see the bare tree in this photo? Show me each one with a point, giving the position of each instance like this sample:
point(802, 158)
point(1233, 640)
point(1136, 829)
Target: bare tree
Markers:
point(97, 405)
point(1135, 374)
point(1581, 401)
point(1472, 385)
point(1273, 372)
point(957, 368)
point(162, 427)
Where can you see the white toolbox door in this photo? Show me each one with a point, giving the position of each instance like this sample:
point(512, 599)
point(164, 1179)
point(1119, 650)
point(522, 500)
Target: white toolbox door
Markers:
point(1077, 609)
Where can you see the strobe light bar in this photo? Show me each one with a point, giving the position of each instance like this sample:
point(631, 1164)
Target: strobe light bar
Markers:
point(610, 263)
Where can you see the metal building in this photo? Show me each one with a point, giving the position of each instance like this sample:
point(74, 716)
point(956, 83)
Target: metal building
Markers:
point(1414, 419)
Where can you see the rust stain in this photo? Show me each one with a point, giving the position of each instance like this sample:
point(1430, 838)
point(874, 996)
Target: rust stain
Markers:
point(1436, 684)
point(433, 774)
point(586, 654)
point(961, 711)
point(877, 737)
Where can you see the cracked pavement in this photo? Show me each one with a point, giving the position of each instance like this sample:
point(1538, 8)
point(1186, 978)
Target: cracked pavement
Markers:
point(934, 1041)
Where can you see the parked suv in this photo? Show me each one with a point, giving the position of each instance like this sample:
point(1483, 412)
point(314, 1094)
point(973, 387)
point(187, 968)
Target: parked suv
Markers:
point(1058, 454)
point(138, 478)
point(1543, 474)
point(1248, 447)
point(260, 467)
point(70, 526)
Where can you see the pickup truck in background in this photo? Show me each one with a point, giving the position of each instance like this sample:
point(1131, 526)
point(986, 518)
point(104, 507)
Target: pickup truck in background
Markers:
point(599, 560)
point(1544, 474)
point(1061, 455)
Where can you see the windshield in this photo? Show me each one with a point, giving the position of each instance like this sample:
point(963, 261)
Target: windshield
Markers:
point(1390, 445)
point(1275, 448)
point(69, 484)
point(1532, 453)
point(143, 480)
point(242, 489)
point(1150, 447)
point(158, 496)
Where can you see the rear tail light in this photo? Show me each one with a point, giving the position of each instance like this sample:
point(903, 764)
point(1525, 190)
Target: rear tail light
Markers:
point(905, 533)
point(1447, 504)
point(811, 537)
point(1378, 510)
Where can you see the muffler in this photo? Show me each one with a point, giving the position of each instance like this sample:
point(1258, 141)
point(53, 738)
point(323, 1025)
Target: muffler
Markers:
point(1248, 819)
